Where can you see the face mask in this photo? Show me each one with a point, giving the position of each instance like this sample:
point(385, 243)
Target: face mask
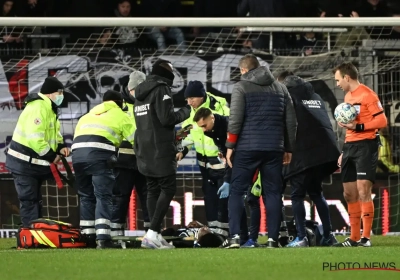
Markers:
point(59, 99)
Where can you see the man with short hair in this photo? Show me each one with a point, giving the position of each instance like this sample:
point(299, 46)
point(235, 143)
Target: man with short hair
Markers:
point(215, 127)
point(359, 156)
point(262, 131)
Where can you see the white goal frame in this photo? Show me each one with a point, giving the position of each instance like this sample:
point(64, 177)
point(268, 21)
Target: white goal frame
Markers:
point(202, 22)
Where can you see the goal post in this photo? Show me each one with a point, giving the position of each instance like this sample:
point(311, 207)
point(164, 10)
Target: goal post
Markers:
point(88, 68)
point(201, 22)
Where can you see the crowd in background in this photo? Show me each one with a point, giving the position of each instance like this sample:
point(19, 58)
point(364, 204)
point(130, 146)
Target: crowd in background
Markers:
point(160, 37)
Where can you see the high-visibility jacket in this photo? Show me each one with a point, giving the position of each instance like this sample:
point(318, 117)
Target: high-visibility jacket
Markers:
point(102, 129)
point(385, 163)
point(37, 138)
point(131, 116)
point(207, 151)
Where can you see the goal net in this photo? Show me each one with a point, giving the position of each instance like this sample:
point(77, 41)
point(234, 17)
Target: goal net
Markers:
point(90, 66)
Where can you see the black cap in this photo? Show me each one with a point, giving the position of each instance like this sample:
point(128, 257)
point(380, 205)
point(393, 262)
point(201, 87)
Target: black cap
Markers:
point(112, 95)
point(50, 85)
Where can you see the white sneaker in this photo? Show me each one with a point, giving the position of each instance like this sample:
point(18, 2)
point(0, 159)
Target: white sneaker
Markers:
point(149, 243)
point(164, 242)
point(364, 242)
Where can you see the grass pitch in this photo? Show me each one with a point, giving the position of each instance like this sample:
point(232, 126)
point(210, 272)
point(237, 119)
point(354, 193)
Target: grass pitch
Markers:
point(260, 263)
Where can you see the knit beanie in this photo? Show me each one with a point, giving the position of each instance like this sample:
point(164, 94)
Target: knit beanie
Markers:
point(135, 78)
point(112, 95)
point(195, 89)
point(51, 85)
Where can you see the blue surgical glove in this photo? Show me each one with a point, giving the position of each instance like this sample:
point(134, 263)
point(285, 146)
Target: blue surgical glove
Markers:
point(224, 190)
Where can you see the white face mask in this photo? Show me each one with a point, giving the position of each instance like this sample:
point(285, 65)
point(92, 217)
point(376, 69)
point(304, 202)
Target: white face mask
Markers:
point(59, 99)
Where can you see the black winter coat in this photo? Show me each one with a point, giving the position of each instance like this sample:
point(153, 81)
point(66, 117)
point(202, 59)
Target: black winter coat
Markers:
point(155, 121)
point(315, 139)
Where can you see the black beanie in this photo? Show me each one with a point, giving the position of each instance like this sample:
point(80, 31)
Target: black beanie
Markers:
point(112, 95)
point(161, 71)
point(195, 89)
point(50, 85)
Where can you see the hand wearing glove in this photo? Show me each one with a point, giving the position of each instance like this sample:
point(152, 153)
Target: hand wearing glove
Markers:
point(224, 190)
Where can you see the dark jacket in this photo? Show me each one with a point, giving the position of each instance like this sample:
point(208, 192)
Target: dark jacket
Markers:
point(126, 161)
point(262, 116)
point(315, 140)
point(155, 122)
point(218, 134)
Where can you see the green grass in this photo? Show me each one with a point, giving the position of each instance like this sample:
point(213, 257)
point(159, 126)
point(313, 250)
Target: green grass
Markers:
point(190, 264)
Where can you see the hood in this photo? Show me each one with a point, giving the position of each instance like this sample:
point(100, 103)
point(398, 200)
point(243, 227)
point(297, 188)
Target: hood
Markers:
point(104, 107)
point(292, 82)
point(146, 87)
point(128, 98)
point(260, 76)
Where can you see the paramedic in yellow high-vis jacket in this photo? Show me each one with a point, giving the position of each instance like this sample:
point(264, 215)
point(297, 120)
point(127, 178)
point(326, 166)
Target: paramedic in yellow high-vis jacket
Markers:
point(211, 166)
point(36, 143)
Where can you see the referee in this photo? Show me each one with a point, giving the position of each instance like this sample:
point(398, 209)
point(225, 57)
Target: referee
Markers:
point(360, 153)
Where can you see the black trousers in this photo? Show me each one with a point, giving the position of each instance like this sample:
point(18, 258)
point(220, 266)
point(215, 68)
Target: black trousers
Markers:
point(160, 192)
point(126, 180)
point(216, 208)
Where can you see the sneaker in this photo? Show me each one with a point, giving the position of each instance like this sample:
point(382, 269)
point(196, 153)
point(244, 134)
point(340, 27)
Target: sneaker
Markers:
point(196, 244)
point(364, 242)
point(107, 244)
point(298, 242)
point(273, 244)
point(231, 243)
point(164, 242)
point(149, 243)
point(328, 241)
point(346, 243)
point(250, 244)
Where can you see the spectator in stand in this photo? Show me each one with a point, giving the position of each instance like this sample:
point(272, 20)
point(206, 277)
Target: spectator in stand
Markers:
point(267, 8)
point(309, 44)
point(9, 36)
point(35, 8)
point(107, 39)
point(168, 9)
point(372, 8)
point(127, 35)
point(79, 8)
point(354, 35)
point(394, 11)
point(213, 9)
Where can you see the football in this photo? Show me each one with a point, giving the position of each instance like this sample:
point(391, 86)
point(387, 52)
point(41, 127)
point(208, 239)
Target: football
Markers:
point(345, 113)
